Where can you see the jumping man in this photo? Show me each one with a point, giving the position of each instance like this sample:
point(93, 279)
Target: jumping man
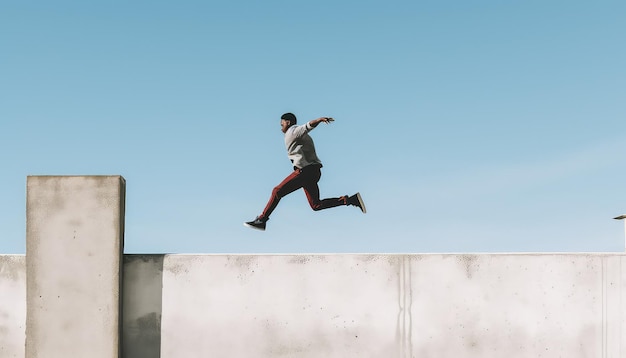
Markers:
point(306, 171)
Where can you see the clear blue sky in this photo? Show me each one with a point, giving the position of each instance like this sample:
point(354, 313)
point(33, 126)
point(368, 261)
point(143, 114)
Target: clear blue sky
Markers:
point(468, 126)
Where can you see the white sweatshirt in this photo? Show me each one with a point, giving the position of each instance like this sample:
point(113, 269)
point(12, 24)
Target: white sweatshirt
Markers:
point(300, 147)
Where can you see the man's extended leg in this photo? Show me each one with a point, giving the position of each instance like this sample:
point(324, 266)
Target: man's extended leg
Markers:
point(290, 184)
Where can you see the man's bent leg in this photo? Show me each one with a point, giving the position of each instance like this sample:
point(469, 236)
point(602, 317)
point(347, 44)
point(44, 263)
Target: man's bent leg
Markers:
point(312, 191)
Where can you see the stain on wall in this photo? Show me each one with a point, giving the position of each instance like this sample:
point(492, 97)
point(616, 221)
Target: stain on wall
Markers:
point(142, 306)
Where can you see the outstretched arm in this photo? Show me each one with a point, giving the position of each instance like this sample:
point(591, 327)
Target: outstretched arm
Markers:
point(313, 123)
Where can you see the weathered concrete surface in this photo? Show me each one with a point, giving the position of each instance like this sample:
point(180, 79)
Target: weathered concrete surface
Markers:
point(491, 305)
point(518, 306)
point(143, 289)
point(12, 306)
point(74, 245)
point(280, 306)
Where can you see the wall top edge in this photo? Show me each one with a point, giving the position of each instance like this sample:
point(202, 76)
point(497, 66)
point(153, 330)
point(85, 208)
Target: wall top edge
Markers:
point(393, 254)
point(36, 179)
point(382, 254)
point(76, 176)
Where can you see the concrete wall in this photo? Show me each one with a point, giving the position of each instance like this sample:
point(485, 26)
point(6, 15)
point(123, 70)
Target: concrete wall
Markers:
point(526, 305)
point(74, 246)
point(488, 305)
point(12, 305)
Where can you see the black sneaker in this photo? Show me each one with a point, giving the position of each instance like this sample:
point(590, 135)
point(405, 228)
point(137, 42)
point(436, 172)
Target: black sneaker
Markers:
point(356, 200)
point(258, 223)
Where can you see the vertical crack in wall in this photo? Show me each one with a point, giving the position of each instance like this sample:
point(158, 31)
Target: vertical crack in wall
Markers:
point(405, 301)
point(612, 307)
point(410, 312)
point(604, 307)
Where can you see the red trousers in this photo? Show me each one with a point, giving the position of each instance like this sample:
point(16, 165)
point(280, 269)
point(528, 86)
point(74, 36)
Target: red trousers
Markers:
point(305, 178)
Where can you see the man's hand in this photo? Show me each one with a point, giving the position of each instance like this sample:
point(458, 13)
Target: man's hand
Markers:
point(326, 120)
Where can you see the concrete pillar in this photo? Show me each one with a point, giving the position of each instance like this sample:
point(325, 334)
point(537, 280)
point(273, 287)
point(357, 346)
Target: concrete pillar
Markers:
point(74, 248)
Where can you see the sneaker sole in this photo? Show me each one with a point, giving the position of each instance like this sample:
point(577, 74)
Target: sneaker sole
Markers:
point(358, 196)
point(253, 227)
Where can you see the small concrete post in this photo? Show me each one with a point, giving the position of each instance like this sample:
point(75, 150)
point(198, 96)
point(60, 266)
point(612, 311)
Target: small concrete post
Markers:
point(74, 248)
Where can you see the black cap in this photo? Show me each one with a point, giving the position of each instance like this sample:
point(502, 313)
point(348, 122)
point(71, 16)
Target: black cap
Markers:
point(289, 117)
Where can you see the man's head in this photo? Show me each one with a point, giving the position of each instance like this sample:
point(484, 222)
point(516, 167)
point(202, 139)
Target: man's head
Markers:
point(287, 120)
